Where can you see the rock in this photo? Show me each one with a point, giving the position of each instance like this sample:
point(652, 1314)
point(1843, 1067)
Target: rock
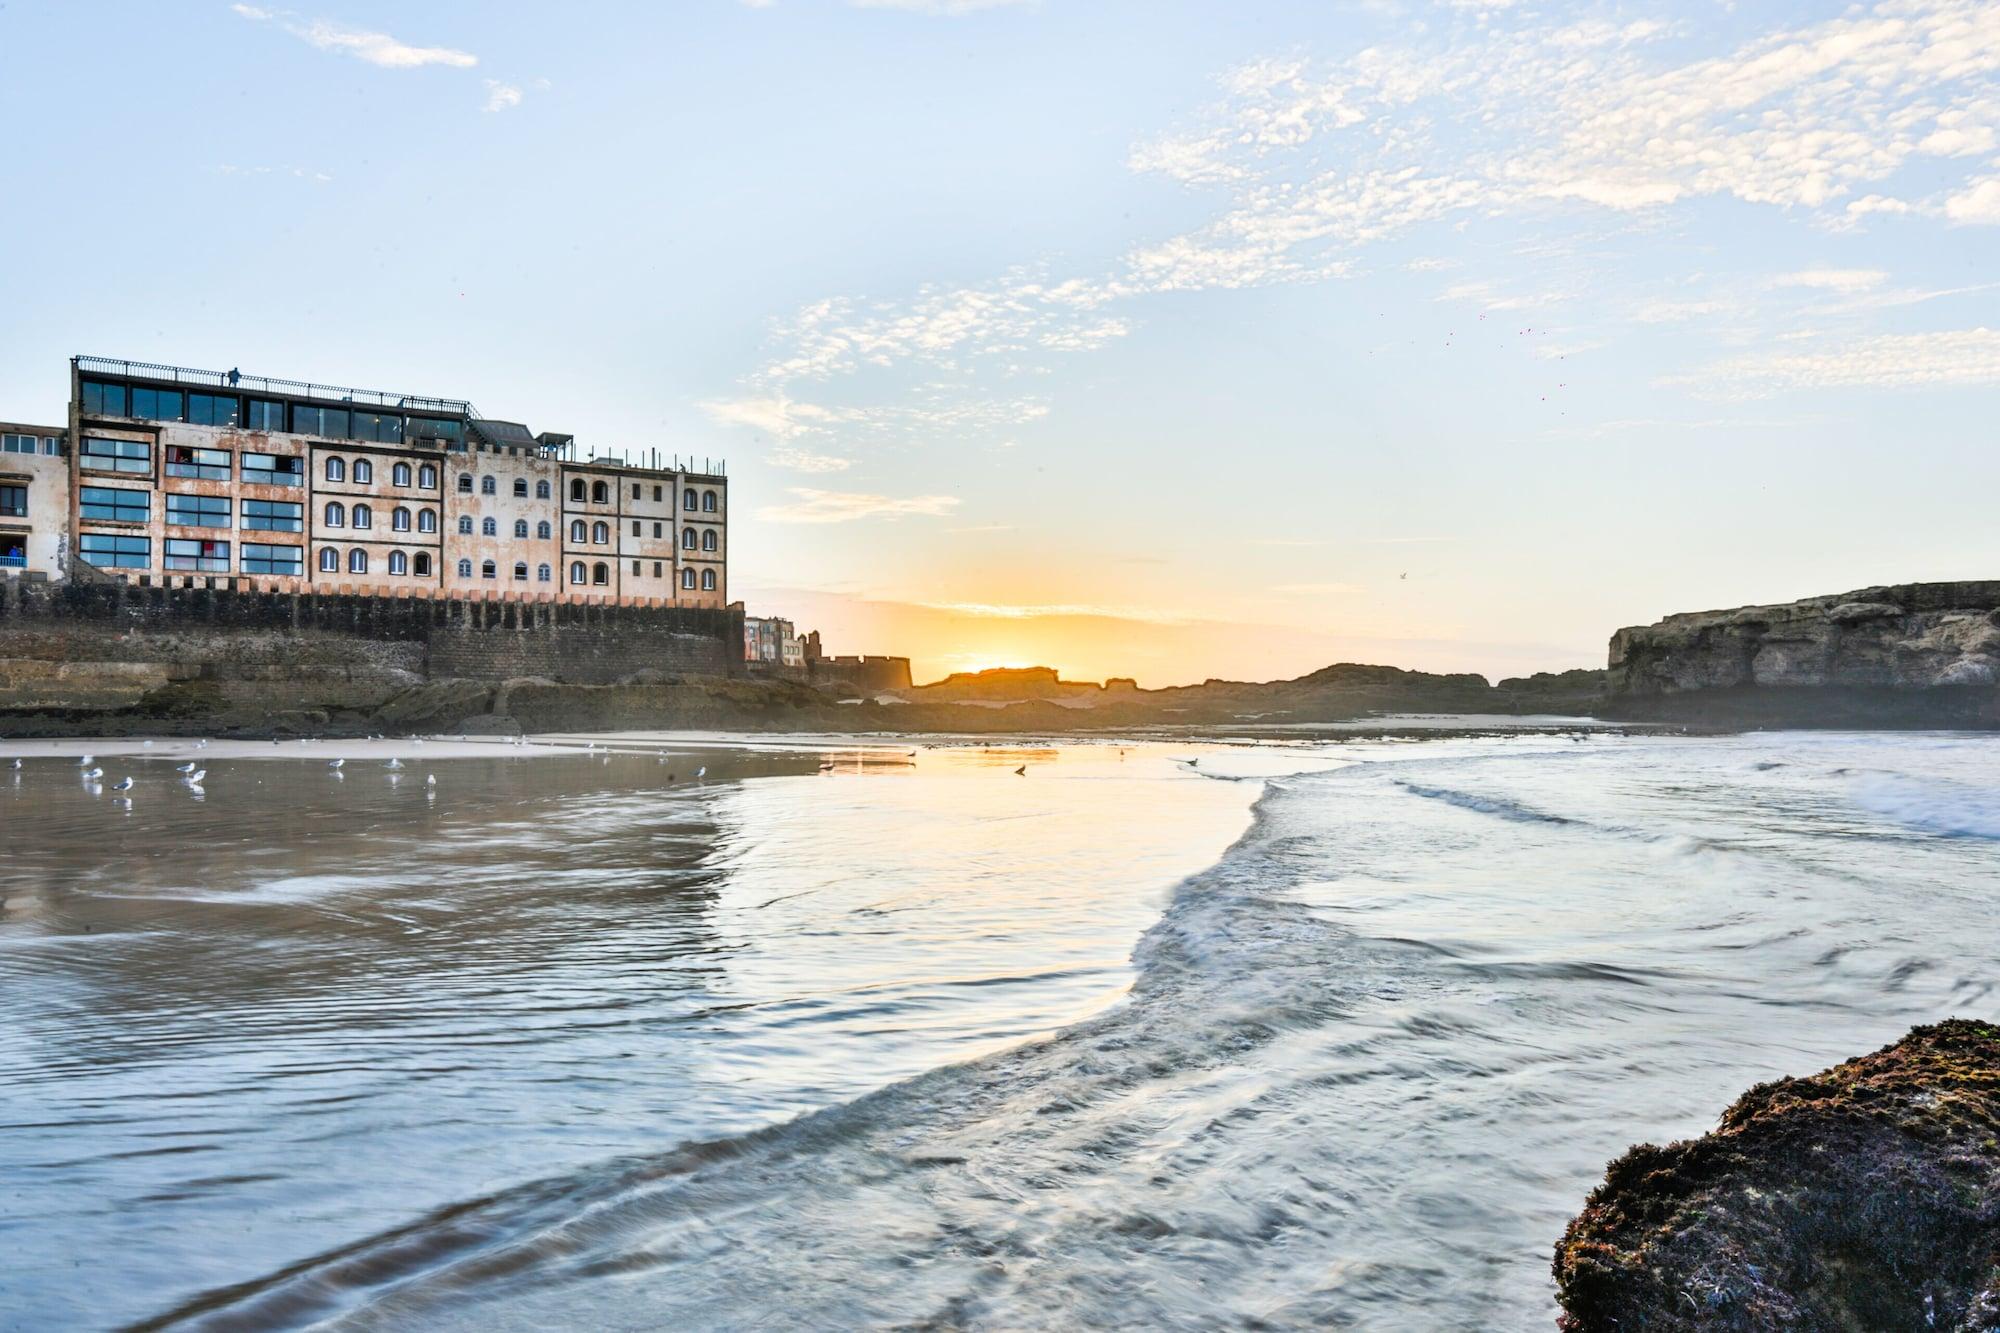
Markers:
point(1866, 1197)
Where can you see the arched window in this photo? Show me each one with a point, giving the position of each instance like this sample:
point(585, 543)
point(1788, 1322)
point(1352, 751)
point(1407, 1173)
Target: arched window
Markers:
point(708, 540)
point(336, 514)
point(689, 500)
point(399, 519)
point(329, 560)
point(542, 530)
point(600, 533)
point(600, 573)
point(542, 489)
point(399, 475)
point(364, 517)
point(465, 569)
point(488, 528)
point(542, 573)
point(576, 572)
point(357, 561)
point(486, 486)
point(465, 483)
point(687, 539)
point(687, 579)
point(576, 531)
point(520, 527)
point(427, 476)
point(520, 488)
point(422, 565)
point(521, 570)
point(600, 494)
point(576, 494)
point(708, 502)
point(363, 470)
point(427, 520)
point(489, 570)
point(465, 525)
point(708, 580)
point(398, 563)
point(336, 469)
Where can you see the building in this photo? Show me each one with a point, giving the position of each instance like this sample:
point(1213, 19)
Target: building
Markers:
point(772, 641)
point(34, 501)
point(212, 478)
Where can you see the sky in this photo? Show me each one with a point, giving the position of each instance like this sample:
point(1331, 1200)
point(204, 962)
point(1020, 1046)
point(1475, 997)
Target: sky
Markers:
point(1153, 338)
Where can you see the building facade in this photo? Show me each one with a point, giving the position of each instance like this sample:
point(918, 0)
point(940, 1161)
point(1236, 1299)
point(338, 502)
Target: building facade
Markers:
point(34, 501)
point(773, 641)
point(210, 478)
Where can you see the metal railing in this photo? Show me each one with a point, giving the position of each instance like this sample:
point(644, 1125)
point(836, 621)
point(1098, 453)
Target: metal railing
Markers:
point(240, 383)
point(13, 561)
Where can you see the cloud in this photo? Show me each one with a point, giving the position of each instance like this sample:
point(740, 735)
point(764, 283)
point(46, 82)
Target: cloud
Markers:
point(803, 460)
point(1037, 611)
point(1980, 204)
point(1833, 279)
point(953, 8)
point(501, 96)
point(1952, 358)
point(377, 48)
point(815, 506)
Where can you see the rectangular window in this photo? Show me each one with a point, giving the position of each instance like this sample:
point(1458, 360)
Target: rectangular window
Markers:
point(212, 409)
point(203, 464)
point(52, 447)
point(114, 504)
point(635, 569)
point(288, 561)
point(635, 527)
point(203, 557)
point(658, 531)
point(329, 422)
point(109, 552)
point(272, 516)
point(104, 400)
point(19, 444)
point(273, 470)
point(265, 415)
point(379, 426)
point(13, 501)
point(117, 455)
point(158, 404)
point(656, 569)
point(198, 511)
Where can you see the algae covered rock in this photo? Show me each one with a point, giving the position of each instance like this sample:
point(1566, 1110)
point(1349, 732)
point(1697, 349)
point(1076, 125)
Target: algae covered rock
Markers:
point(1864, 1197)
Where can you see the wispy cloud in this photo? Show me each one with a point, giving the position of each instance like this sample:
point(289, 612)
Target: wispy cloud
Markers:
point(501, 96)
point(1038, 611)
point(1958, 357)
point(1833, 279)
point(804, 460)
point(377, 48)
point(816, 506)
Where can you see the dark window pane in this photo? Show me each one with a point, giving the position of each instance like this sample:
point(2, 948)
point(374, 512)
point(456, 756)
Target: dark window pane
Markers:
point(114, 504)
point(198, 511)
point(13, 501)
point(201, 556)
point(158, 404)
point(104, 399)
point(280, 560)
point(265, 415)
point(208, 409)
point(117, 455)
point(107, 551)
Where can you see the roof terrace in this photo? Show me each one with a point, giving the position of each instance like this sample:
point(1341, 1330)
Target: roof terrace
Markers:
point(237, 382)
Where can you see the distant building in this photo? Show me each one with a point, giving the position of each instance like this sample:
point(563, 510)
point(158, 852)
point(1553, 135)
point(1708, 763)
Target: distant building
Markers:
point(216, 478)
point(772, 641)
point(34, 501)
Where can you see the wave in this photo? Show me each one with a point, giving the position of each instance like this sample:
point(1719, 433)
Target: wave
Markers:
point(1486, 805)
point(1950, 809)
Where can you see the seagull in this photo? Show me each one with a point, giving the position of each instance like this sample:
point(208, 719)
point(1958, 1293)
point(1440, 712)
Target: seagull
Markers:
point(701, 772)
point(92, 774)
point(196, 776)
point(1192, 763)
point(184, 768)
point(1021, 772)
point(337, 763)
point(395, 763)
point(201, 744)
point(17, 764)
point(86, 761)
point(430, 779)
point(148, 742)
point(123, 784)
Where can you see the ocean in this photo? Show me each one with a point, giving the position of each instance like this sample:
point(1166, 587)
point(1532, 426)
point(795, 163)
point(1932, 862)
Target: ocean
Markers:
point(1257, 1032)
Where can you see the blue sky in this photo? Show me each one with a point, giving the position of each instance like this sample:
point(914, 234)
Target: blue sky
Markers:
point(1164, 339)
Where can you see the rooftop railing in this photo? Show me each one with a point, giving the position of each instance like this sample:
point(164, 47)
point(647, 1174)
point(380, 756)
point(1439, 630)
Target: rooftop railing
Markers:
point(241, 383)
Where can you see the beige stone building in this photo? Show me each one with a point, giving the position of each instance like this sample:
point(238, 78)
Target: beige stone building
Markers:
point(34, 501)
point(214, 478)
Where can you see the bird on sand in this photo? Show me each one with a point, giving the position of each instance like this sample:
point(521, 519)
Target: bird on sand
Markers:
point(1021, 772)
point(395, 763)
point(337, 763)
point(430, 780)
point(184, 768)
point(701, 772)
point(86, 761)
point(17, 763)
point(123, 784)
point(196, 776)
point(92, 774)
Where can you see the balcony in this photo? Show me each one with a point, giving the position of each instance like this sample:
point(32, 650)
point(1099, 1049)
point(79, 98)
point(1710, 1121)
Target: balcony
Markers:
point(258, 384)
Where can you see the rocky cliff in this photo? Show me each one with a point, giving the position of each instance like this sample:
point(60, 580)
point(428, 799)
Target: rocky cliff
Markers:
point(1918, 654)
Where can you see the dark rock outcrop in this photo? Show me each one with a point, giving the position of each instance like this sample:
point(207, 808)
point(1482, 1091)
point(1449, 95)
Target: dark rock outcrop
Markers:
point(1866, 1197)
point(1919, 654)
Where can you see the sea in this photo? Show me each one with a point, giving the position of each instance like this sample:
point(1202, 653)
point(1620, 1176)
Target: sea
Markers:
point(1267, 1030)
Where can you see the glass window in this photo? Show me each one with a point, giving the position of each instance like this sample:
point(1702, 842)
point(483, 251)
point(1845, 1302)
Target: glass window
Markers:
point(381, 427)
point(487, 486)
point(104, 400)
point(205, 464)
point(576, 572)
point(600, 573)
point(687, 579)
point(542, 489)
point(542, 573)
point(399, 519)
point(465, 483)
point(489, 570)
point(576, 531)
point(600, 533)
point(329, 560)
point(212, 409)
point(115, 505)
point(13, 501)
point(19, 444)
point(708, 502)
point(198, 511)
point(399, 475)
point(521, 570)
point(635, 528)
point(357, 561)
point(465, 569)
point(635, 569)
point(329, 423)
point(543, 531)
point(520, 527)
point(657, 567)
point(656, 494)
point(488, 528)
point(708, 540)
point(273, 470)
point(689, 500)
point(158, 404)
point(363, 517)
point(635, 490)
point(398, 563)
point(336, 514)
point(465, 525)
point(687, 539)
point(521, 487)
point(272, 516)
point(265, 415)
point(659, 530)
point(109, 552)
point(285, 561)
point(423, 564)
point(427, 520)
point(194, 554)
point(427, 477)
point(600, 493)
point(364, 471)
point(336, 469)
point(708, 580)
point(576, 493)
point(117, 455)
